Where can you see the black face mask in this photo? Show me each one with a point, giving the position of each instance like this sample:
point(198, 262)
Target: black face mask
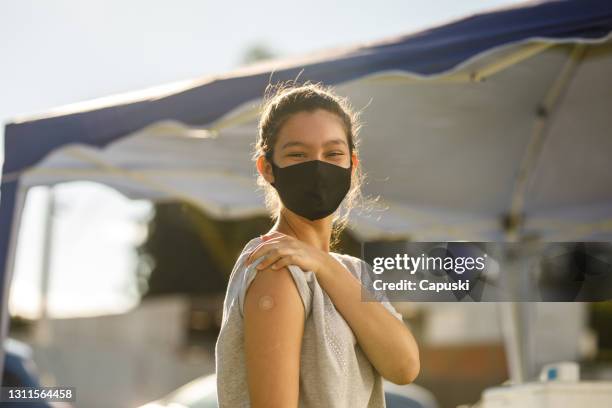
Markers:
point(313, 189)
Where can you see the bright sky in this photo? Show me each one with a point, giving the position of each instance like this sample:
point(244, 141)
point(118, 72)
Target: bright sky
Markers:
point(65, 51)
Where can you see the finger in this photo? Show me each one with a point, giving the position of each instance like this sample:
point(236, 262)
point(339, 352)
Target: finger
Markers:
point(268, 252)
point(264, 246)
point(252, 255)
point(260, 250)
point(270, 259)
point(276, 239)
point(274, 234)
point(284, 261)
point(273, 256)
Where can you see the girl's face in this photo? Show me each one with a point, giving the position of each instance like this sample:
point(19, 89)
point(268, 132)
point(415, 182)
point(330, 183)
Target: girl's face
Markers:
point(316, 135)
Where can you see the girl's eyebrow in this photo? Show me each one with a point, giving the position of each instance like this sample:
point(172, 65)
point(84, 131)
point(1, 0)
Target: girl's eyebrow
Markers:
point(289, 144)
point(296, 143)
point(335, 141)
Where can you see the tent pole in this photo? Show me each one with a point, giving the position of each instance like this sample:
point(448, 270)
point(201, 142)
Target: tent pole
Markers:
point(513, 315)
point(13, 197)
point(43, 335)
point(511, 330)
point(540, 129)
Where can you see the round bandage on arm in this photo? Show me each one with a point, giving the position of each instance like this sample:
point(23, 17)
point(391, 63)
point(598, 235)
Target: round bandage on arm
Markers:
point(271, 290)
point(265, 302)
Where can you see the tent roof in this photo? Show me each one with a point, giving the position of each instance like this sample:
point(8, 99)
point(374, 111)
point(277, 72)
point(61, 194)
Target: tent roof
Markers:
point(428, 52)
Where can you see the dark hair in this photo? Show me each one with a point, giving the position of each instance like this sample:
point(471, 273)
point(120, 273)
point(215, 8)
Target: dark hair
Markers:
point(288, 98)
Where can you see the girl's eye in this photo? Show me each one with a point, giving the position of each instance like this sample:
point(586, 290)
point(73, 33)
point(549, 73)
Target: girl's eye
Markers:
point(303, 154)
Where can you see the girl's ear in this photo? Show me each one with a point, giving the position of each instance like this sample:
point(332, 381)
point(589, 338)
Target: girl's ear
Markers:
point(265, 169)
point(355, 161)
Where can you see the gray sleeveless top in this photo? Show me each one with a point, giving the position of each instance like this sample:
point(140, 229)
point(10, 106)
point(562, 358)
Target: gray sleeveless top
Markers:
point(334, 371)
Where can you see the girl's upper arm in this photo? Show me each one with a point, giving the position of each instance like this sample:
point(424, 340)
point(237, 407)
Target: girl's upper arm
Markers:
point(273, 328)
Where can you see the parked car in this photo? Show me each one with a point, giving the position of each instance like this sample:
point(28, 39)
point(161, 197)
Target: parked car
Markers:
point(20, 371)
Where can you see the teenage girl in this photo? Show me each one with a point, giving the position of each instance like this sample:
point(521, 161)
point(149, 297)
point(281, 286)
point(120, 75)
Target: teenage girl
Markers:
point(295, 331)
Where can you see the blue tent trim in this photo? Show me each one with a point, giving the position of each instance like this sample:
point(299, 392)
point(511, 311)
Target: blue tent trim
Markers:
point(428, 52)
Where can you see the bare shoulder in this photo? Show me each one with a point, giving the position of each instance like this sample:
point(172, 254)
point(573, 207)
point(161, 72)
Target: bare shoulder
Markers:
point(273, 293)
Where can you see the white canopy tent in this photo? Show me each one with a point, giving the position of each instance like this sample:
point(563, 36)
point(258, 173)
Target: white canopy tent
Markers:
point(519, 130)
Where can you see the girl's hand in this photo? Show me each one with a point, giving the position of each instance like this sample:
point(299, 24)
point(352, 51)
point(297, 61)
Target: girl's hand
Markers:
point(283, 250)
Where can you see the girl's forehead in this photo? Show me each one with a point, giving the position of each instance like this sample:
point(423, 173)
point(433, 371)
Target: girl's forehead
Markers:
point(311, 128)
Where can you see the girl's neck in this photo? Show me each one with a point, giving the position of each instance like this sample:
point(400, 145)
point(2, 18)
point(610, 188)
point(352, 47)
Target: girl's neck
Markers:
point(316, 233)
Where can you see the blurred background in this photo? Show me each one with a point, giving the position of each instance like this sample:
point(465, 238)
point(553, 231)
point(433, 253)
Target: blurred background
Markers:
point(119, 293)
